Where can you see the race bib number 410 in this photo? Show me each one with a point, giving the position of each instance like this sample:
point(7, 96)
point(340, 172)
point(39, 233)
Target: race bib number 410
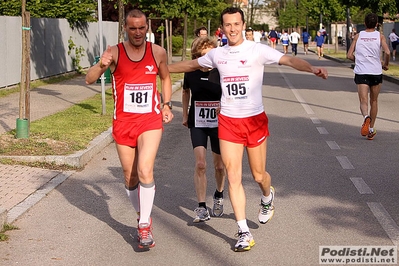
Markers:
point(138, 98)
point(205, 113)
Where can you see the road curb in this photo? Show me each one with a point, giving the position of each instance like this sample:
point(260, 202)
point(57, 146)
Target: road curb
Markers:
point(78, 159)
point(35, 197)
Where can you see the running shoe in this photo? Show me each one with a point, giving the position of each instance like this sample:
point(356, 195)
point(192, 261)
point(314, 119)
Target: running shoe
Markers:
point(245, 241)
point(366, 125)
point(266, 210)
point(371, 135)
point(217, 209)
point(146, 239)
point(201, 215)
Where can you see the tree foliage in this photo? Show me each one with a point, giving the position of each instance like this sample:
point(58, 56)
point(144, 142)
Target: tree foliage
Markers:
point(75, 11)
point(293, 12)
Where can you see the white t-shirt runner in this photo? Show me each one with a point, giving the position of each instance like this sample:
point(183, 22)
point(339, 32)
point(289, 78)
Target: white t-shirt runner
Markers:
point(241, 76)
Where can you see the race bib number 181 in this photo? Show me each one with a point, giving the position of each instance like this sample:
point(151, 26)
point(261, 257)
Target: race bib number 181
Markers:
point(138, 98)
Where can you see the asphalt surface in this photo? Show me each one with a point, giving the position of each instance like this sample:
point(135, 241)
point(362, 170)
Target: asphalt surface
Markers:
point(333, 187)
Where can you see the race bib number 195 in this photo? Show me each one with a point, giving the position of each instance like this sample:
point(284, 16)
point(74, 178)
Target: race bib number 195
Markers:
point(236, 89)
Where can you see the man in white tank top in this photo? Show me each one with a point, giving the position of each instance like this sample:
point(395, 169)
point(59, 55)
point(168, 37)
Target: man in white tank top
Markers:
point(365, 51)
point(242, 120)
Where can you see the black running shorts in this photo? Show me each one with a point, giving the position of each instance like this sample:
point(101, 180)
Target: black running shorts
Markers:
point(199, 137)
point(371, 80)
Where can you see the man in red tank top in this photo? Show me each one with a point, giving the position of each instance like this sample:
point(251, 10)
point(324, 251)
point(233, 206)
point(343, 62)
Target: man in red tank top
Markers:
point(138, 113)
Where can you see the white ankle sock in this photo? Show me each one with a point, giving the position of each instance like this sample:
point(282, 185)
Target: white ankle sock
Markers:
point(242, 224)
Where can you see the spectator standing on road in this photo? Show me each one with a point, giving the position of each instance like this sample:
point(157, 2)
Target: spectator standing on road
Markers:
point(319, 40)
point(273, 38)
point(294, 40)
point(138, 115)
point(365, 51)
point(218, 36)
point(285, 41)
point(224, 38)
point(257, 36)
point(201, 32)
point(305, 39)
point(201, 119)
point(323, 33)
point(394, 39)
point(242, 120)
point(249, 34)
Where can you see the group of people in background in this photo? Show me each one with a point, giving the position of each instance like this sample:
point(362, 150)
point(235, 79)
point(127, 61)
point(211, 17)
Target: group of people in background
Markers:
point(286, 39)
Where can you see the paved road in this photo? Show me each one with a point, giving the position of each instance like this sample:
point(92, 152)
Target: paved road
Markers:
point(333, 187)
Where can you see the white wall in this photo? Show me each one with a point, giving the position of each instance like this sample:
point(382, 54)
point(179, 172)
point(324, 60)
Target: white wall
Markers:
point(49, 46)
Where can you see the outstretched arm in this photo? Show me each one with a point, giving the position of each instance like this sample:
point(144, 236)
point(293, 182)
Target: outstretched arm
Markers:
point(302, 65)
point(184, 66)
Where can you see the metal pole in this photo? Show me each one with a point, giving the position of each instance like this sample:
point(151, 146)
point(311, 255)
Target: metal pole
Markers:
point(100, 37)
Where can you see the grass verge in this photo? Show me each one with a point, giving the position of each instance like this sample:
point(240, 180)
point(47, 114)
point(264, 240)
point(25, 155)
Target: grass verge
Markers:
point(62, 133)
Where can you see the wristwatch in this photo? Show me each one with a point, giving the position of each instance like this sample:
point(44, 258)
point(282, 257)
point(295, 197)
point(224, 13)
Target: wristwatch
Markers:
point(169, 104)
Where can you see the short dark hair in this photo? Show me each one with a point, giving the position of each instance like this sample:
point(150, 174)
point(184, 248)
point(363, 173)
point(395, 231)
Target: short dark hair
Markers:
point(232, 10)
point(249, 30)
point(371, 21)
point(197, 31)
point(135, 13)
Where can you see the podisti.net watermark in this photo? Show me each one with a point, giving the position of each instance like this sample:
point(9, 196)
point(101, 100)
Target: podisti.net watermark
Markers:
point(358, 255)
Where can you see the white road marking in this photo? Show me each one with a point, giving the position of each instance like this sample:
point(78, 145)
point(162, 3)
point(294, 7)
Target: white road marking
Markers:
point(383, 217)
point(305, 106)
point(361, 186)
point(386, 221)
point(322, 130)
point(315, 120)
point(333, 145)
point(345, 163)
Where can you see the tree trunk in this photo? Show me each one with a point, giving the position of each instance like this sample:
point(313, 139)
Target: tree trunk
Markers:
point(183, 56)
point(121, 14)
point(336, 37)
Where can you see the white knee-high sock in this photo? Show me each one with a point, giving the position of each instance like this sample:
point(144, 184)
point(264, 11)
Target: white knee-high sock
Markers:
point(133, 195)
point(146, 196)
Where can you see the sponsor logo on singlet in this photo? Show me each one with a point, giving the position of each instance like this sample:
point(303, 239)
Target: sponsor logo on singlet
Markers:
point(150, 70)
point(243, 64)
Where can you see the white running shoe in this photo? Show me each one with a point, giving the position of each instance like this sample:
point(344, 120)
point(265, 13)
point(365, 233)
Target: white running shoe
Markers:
point(245, 241)
point(266, 210)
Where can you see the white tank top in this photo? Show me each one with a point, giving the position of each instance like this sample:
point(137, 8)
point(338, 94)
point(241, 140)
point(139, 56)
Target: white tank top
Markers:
point(241, 76)
point(367, 53)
